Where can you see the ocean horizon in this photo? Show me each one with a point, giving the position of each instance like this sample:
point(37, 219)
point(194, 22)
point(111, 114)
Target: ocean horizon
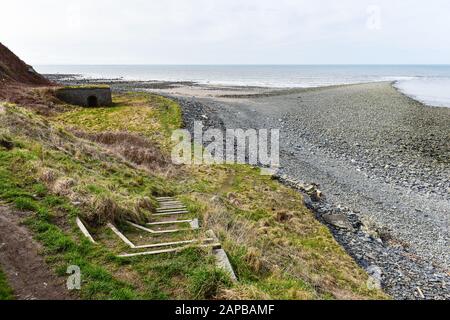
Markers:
point(429, 84)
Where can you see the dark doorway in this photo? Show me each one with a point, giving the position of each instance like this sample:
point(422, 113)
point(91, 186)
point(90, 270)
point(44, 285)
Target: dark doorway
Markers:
point(92, 101)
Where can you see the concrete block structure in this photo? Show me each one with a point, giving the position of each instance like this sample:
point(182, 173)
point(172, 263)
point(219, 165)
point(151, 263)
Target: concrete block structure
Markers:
point(86, 96)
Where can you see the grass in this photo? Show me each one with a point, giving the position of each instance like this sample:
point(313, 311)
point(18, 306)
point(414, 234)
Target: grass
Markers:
point(88, 86)
point(6, 293)
point(130, 113)
point(61, 249)
point(28, 180)
point(106, 186)
point(276, 246)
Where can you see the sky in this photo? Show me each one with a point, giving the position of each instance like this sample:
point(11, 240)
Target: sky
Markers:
point(227, 31)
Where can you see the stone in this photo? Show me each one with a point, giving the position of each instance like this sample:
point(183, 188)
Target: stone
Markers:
point(86, 96)
point(195, 224)
point(224, 263)
point(338, 220)
point(308, 202)
point(316, 195)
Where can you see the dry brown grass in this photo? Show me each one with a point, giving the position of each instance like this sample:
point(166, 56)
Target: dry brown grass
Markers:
point(64, 187)
point(134, 148)
point(105, 209)
point(48, 176)
point(38, 99)
point(90, 174)
point(243, 293)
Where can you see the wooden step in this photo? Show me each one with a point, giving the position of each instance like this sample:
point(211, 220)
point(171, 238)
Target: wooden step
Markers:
point(172, 205)
point(133, 246)
point(212, 245)
point(175, 243)
point(171, 209)
point(193, 223)
point(170, 213)
point(166, 244)
point(154, 231)
point(121, 235)
point(166, 204)
point(84, 230)
point(168, 222)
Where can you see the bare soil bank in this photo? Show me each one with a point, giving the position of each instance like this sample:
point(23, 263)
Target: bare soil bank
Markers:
point(14, 70)
point(27, 273)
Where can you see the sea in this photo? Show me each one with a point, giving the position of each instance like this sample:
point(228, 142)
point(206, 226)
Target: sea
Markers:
point(429, 84)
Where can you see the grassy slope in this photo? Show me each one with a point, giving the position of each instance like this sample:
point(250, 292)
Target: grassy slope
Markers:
point(278, 249)
point(25, 182)
point(5, 291)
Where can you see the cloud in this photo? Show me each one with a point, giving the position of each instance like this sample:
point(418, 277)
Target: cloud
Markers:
point(227, 31)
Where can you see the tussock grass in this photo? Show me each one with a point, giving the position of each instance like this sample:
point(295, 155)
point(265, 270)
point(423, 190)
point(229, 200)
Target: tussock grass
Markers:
point(207, 283)
point(105, 185)
point(134, 148)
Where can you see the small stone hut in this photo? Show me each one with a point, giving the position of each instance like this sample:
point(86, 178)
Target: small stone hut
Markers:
point(87, 96)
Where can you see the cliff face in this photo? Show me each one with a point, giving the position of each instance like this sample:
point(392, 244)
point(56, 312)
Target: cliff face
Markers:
point(14, 70)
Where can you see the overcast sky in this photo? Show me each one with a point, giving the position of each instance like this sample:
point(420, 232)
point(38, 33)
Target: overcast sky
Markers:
point(227, 31)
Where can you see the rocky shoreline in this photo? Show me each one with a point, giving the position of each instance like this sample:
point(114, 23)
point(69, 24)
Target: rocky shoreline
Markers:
point(401, 273)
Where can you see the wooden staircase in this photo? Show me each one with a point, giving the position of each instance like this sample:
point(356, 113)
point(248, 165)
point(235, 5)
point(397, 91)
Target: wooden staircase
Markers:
point(170, 230)
point(169, 220)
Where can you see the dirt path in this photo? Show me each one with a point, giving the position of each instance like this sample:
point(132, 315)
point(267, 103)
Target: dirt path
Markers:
point(27, 273)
